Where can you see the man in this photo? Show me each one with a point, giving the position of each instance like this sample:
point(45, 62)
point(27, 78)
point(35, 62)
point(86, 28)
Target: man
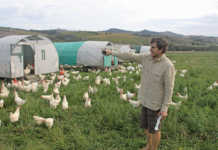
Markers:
point(157, 82)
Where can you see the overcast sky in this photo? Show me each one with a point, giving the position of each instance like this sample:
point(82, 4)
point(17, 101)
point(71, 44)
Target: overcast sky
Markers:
point(189, 17)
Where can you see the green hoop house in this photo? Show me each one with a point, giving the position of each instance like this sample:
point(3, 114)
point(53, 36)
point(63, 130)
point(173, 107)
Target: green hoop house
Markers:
point(88, 53)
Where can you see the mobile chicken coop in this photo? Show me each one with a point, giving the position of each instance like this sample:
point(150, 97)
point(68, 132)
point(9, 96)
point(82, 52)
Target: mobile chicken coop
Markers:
point(17, 51)
point(87, 53)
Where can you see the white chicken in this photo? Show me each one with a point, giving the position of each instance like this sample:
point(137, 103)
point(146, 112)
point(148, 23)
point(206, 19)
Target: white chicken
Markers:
point(210, 87)
point(9, 85)
point(182, 75)
point(123, 71)
point(56, 90)
point(75, 72)
point(98, 80)
point(106, 81)
point(215, 84)
point(184, 71)
point(53, 76)
point(176, 105)
point(86, 78)
point(137, 86)
point(14, 117)
point(1, 103)
point(49, 122)
point(58, 84)
point(19, 101)
point(134, 103)
point(65, 81)
point(64, 103)
point(42, 77)
point(92, 90)
point(3, 86)
point(98, 71)
point(140, 66)
point(39, 120)
point(137, 72)
point(34, 86)
point(4, 92)
point(130, 95)
point(50, 81)
point(123, 96)
point(181, 96)
point(20, 85)
point(47, 97)
point(55, 102)
point(119, 89)
point(45, 85)
point(88, 102)
point(66, 74)
point(27, 69)
point(85, 95)
point(58, 98)
point(27, 88)
point(25, 82)
point(60, 77)
point(78, 77)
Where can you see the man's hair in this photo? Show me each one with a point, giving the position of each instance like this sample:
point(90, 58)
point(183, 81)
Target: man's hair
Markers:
point(161, 44)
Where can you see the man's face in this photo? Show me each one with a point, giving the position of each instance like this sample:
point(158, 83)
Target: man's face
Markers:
point(155, 52)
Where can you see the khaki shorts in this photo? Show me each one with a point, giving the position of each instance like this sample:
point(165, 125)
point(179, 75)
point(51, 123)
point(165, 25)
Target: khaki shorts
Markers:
point(149, 119)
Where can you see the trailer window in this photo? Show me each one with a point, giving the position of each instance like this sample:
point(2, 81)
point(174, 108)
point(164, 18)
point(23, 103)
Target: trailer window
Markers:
point(43, 54)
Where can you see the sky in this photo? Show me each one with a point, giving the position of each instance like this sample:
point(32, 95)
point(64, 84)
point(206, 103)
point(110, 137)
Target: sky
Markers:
point(188, 17)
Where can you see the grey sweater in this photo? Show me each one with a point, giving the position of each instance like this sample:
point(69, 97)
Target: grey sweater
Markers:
point(157, 79)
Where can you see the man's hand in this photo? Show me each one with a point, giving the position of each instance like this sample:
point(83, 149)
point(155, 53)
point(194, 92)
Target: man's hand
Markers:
point(163, 114)
point(107, 52)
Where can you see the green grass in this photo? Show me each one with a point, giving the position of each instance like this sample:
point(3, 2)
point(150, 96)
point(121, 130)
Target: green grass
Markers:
point(112, 124)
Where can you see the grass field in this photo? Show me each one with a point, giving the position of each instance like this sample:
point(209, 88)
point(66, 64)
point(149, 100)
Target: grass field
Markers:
point(113, 124)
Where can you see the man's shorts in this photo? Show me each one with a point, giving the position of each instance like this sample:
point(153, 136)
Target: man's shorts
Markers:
point(149, 119)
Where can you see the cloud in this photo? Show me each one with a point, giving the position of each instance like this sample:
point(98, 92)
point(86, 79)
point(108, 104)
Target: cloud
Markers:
point(177, 16)
point(206, 25)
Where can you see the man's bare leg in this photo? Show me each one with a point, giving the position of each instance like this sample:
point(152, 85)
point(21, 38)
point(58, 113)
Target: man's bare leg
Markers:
point(149, 141)
point(155, 140)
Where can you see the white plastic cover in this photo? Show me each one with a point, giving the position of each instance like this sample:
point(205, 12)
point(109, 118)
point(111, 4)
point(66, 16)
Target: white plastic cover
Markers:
point(48, 64)
point(5, 55)
point(125, 48)
point(11, 55)
point(90, 53)
point(145, 49)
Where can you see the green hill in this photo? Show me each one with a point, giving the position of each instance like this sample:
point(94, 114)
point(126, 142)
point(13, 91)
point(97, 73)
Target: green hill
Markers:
point(177, 42)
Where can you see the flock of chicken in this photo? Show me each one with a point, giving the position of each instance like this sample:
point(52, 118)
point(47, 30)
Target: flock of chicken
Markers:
point(29, 86)
point(57, 80)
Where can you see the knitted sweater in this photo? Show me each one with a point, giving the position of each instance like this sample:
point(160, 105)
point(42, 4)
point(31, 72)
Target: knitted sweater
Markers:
point(157, 79)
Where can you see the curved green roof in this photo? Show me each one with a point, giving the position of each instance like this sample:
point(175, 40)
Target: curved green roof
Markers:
point(67, 52)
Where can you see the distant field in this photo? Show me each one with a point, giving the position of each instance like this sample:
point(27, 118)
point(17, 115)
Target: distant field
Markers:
point(113, 124)
point(183, 52)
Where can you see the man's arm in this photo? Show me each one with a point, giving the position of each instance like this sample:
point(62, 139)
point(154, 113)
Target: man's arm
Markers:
point(169, 77)
point(127, 56)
